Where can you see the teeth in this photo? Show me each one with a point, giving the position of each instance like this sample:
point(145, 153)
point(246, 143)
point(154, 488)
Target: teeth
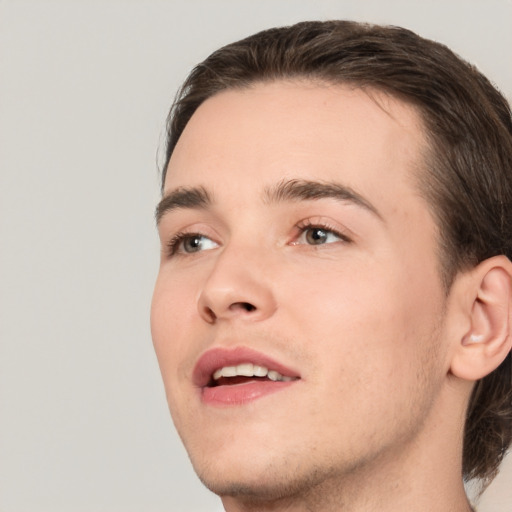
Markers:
point(260, 371)
point(249, 370)
point(273, 375)
point(227, 371)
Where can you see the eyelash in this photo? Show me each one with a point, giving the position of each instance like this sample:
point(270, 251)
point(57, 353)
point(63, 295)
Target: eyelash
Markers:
point(177, 239)
point(304, 225)
point(174, 243)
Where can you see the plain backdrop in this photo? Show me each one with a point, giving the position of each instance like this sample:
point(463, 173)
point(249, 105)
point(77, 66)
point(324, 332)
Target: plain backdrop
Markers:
point(85, 87)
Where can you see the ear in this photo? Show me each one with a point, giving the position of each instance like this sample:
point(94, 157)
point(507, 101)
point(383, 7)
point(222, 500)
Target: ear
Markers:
point(488, 302)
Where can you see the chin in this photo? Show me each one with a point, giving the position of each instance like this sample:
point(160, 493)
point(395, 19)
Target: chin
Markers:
point(237, 476)
point(273, 479)
point(260, 485)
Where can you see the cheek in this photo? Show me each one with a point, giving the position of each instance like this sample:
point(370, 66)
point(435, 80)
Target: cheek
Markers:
point(173, 312)
point(370, 323)
point(171, 317)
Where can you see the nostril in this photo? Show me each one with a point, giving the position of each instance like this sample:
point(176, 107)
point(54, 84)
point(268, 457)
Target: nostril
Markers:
point(210, 315)
point(246, 306)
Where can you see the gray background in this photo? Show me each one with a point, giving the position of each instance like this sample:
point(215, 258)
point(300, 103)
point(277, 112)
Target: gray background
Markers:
point(84, 90)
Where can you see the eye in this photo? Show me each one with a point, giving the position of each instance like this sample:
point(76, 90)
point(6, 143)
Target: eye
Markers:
point(189, 243)
point(319, 235)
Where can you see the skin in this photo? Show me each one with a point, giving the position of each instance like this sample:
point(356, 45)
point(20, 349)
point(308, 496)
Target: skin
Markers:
point(375, 421)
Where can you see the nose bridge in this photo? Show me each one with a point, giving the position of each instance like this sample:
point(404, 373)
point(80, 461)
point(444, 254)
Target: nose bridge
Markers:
point(238, 286)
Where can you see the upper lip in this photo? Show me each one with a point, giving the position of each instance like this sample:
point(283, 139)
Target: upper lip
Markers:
point(220, 357)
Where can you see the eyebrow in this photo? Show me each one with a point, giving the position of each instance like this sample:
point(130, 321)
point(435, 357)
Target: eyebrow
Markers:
point(305, 190)
point(183, 197)
point(284, 191)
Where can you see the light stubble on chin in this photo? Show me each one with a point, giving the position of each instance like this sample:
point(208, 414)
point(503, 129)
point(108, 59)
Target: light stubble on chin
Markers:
point(278, 487)
point(284, 482)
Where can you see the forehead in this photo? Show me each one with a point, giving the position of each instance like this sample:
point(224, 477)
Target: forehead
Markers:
point(240, 144)
point(296, 127)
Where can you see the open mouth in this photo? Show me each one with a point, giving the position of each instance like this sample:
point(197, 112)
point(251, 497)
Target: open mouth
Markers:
point(239, 375)
point(244, 373)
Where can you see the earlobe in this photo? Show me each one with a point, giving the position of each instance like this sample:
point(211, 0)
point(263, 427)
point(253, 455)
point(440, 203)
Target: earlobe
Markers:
point(489, 339)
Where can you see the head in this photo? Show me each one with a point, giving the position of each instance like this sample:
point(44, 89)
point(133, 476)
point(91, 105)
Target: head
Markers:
point(463, 172)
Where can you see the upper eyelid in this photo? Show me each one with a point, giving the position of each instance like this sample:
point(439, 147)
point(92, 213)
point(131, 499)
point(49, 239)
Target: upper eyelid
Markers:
point(168, 228)
point(169, 231)
point(327, 225)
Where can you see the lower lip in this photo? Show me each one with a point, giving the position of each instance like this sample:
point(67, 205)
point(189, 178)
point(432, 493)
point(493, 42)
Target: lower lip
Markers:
point(239, 394)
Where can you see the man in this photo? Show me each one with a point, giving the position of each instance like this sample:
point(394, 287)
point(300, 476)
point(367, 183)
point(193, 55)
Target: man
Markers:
point(332, 312)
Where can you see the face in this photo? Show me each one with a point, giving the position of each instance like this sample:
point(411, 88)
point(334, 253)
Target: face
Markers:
point(297, 314)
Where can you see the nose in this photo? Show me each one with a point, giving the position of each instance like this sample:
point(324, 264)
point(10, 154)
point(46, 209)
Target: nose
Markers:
point(238, 287)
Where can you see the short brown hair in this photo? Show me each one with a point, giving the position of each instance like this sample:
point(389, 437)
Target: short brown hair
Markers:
point(468, 182)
